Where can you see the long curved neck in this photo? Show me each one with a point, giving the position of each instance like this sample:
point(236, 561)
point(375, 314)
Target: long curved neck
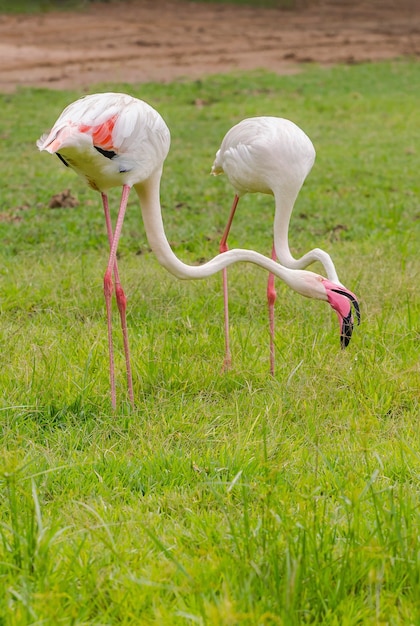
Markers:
point(148, 193)
point(284, 203)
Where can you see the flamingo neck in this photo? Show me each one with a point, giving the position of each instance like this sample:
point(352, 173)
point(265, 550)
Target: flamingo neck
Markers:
point(149, 196)
point(284, 203)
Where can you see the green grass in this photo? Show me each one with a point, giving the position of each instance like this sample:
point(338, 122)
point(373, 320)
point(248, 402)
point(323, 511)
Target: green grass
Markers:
point(221, 499)
point(39, 6)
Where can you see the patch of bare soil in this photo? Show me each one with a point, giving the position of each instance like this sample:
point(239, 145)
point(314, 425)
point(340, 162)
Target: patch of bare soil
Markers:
point(163, 40)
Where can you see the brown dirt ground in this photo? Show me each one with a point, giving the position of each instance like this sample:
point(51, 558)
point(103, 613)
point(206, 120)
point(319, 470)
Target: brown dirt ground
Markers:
point(162, 40)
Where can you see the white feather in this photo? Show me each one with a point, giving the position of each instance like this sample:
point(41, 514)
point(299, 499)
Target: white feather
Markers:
point(131, 128)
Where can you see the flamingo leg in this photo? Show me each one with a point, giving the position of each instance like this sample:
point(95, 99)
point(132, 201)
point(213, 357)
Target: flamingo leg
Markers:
point(121, 301)
point(112, 268)
point(223, 247)
point(271, 299)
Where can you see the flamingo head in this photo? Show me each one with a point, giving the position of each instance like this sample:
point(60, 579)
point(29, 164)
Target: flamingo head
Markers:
point(342, 301)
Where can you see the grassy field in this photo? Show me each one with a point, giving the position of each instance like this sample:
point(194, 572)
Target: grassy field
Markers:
point(222, 499)
point(40, 6)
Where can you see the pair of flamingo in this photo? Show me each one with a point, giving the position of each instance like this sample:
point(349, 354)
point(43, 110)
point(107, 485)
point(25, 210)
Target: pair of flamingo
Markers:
point(114, 140)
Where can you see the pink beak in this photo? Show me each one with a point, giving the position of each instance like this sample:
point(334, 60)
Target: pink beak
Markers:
point(341, 300)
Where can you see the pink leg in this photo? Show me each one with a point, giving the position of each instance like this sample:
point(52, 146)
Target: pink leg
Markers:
point(223, 248)
point(271, 298)
point(121, 302)
point(119, 292)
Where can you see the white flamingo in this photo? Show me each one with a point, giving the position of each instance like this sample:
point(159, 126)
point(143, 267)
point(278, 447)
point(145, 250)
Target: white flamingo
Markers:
point(114, 140)
point(274, 156)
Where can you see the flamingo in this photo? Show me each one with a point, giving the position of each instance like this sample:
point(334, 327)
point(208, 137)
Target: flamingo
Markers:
point(270, 155)
point(115, 140)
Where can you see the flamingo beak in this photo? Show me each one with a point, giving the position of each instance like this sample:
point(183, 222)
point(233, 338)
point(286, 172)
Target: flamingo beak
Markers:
point(342, 300)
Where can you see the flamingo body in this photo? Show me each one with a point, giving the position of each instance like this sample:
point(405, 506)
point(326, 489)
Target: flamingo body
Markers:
point(128, 132)
point(267, 155)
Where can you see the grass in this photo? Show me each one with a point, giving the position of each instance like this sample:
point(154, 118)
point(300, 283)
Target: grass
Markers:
point(41, 6)
point(222, 498)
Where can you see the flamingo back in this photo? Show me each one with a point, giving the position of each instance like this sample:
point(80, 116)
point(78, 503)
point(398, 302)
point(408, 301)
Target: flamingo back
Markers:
point(265, 154)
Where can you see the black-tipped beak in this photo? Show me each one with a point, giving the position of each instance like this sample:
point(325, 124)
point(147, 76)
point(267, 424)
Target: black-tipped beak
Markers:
point(346, 330)
point(347, 320)
point(342, 301)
